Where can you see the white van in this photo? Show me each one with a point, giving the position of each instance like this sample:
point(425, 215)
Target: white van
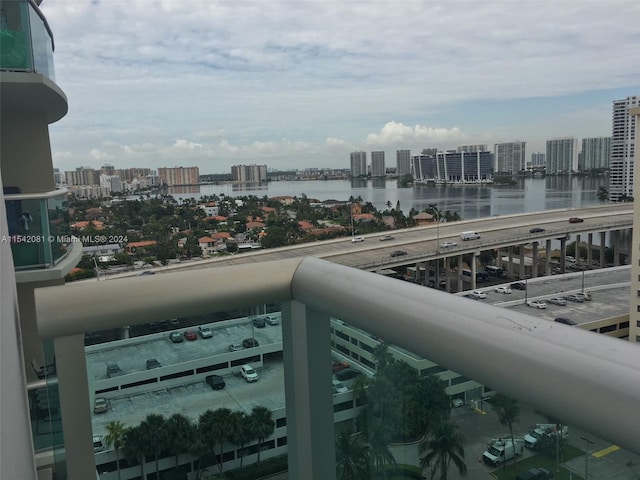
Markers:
point(469, 235)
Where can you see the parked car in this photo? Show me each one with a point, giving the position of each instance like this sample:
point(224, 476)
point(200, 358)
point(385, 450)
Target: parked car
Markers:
point(98, 443)
point(234, 347)
point(100, 405)
point(576, 220)
point(146, 272)
point(250, 342)
point(536, 230)
point(357, 239)
point(398, 253)
point(574, 298)
point(557, 301)
point(519, 286)
point(339, 387)
point(153, 363)
point(190, 335)
point(385, 238)
point(205, 332)
point(216, 382)
point(259, 322)
point(174, 322)
point(347, 374)
point(565, 320)
point(337, 366)
point(248, 373)
point(537, 304)
point(503, 290)
point(448, 244)
point(113, 370)
point(477, 294)
point(457, 402)
point(175, 337)
point(272, 320)
point(586, 296)
point(535, 474)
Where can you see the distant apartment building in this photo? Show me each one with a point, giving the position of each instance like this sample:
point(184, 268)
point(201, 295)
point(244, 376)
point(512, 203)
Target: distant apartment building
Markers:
point(112, 183)
point(403, 162)
point(537, 159)
point(82, 176)
point(179, 176)
point(510, 157)
point(377, 164)
point(249, 173)
point(562, 155)
point(358, 164)
point(595, 153)
point(471, 148)
point(453, 167)
point(623, 143)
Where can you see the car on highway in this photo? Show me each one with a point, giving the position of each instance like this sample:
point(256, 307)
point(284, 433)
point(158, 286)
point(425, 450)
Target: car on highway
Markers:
point(519, 286)
point(536, 230)
point(477, 294)
point(574, 298)
point(190, 335)
point(565, 320)
point(175, 337)
point(205, 332)
point(216, 382)
point(100, 405)
point(557, 301)
point(448, 244)
point(398, 253)
point(248, 373)
point(386, 238)
point(537, 304)
point(272, 320)
point(250, 342)
point(152, 363)
point(259, 322)
point(357, 239)
point(503, 290)
point(576, 220)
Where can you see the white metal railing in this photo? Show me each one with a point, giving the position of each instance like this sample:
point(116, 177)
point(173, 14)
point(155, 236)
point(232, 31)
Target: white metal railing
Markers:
point(580, 377)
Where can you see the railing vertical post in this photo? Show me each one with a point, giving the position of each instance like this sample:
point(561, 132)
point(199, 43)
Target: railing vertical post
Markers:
point(307, 373)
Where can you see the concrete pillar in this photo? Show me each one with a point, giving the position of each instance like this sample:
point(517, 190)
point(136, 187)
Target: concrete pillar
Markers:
point(522, 270)
point(534, 267)
point(510, 264)
point(75, 408)
point(547, 258)
point(590, 250)
point(563, 255)
point(616, 247)
point(603, 246)
point(310, 426)
point(576, 252)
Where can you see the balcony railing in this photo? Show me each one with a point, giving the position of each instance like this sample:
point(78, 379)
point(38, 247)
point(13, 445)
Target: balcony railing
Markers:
point(26, 42)
point(589, 380)
point(39, 230)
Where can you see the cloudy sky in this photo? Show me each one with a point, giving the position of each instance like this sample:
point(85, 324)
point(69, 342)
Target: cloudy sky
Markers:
point(301, 83)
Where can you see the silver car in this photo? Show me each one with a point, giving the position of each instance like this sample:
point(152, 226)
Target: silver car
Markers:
point(557, 301)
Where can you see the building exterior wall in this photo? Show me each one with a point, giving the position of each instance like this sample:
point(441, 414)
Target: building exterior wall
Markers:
point(471, 148)
point(510, 157)
point(623, 141)
point(595, 153)
point(634, 302)
point(358, 164)
point(377, 164)
point(249, 173)
point(562, 155)
point(537, 159)
point(179, 176)
point(403, 162)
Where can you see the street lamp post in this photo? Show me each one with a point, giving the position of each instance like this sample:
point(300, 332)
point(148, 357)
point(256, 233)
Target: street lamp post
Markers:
point(582, 281)
point(586, 457)
point(526, 289)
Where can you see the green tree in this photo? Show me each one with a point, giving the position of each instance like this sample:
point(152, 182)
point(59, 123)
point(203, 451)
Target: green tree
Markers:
point(115, 437)
point(602, 194)
point(352, 462)
point(378, 437)
point(181, 433)
point(241, 432)
point(440, 448)
point(508, 411)
point(135, 446)
point(215, 426)
point(154, 435)
point(262, 424)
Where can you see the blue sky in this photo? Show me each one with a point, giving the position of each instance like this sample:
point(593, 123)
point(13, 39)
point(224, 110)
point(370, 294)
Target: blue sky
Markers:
point(296, 84)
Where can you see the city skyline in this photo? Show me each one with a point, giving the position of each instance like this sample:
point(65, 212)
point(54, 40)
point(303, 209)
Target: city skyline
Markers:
point(318, 81)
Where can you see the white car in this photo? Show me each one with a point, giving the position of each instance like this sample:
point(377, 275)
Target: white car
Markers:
point(357, 239)
point(339, 387)
point(537, 304)
point(457, 403)
point(248, 373)
point(98, 444)
point(503, 290)
point(478, 294)
point(272, 320)
point(205, 332)
point(448, 244)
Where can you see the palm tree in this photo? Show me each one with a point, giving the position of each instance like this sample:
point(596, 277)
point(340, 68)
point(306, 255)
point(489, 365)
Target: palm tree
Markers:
point(379, 454)
point(153, 432)
point(352, 462)
point(134, 447)
point(442, 447)
point(263, 425)
point(216, 426)
point(241, 432)
point(602, 194)
point(508, 411)
point(198, 448)
point(115, 437)
point(180, 434)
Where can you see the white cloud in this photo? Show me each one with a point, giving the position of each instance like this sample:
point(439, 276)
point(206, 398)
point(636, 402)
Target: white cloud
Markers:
point(395, 134)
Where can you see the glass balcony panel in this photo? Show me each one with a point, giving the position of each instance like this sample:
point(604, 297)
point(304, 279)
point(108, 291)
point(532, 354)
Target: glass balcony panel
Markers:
point(59, 226)
point(42, 45)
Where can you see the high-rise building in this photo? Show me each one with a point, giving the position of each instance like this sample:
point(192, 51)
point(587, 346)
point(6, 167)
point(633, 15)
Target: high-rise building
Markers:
point(358, 164)
point(403, 162)
point(537, 159)
point(83, 176)
point(634, 307)
point(595, 153)
point(509, 157)
point(249, 173)
point(377, 164)
point(562, 155)
point(37, 249)
point(179, 176)
point(453, 167)
point(471, 148)
point(623, 143)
